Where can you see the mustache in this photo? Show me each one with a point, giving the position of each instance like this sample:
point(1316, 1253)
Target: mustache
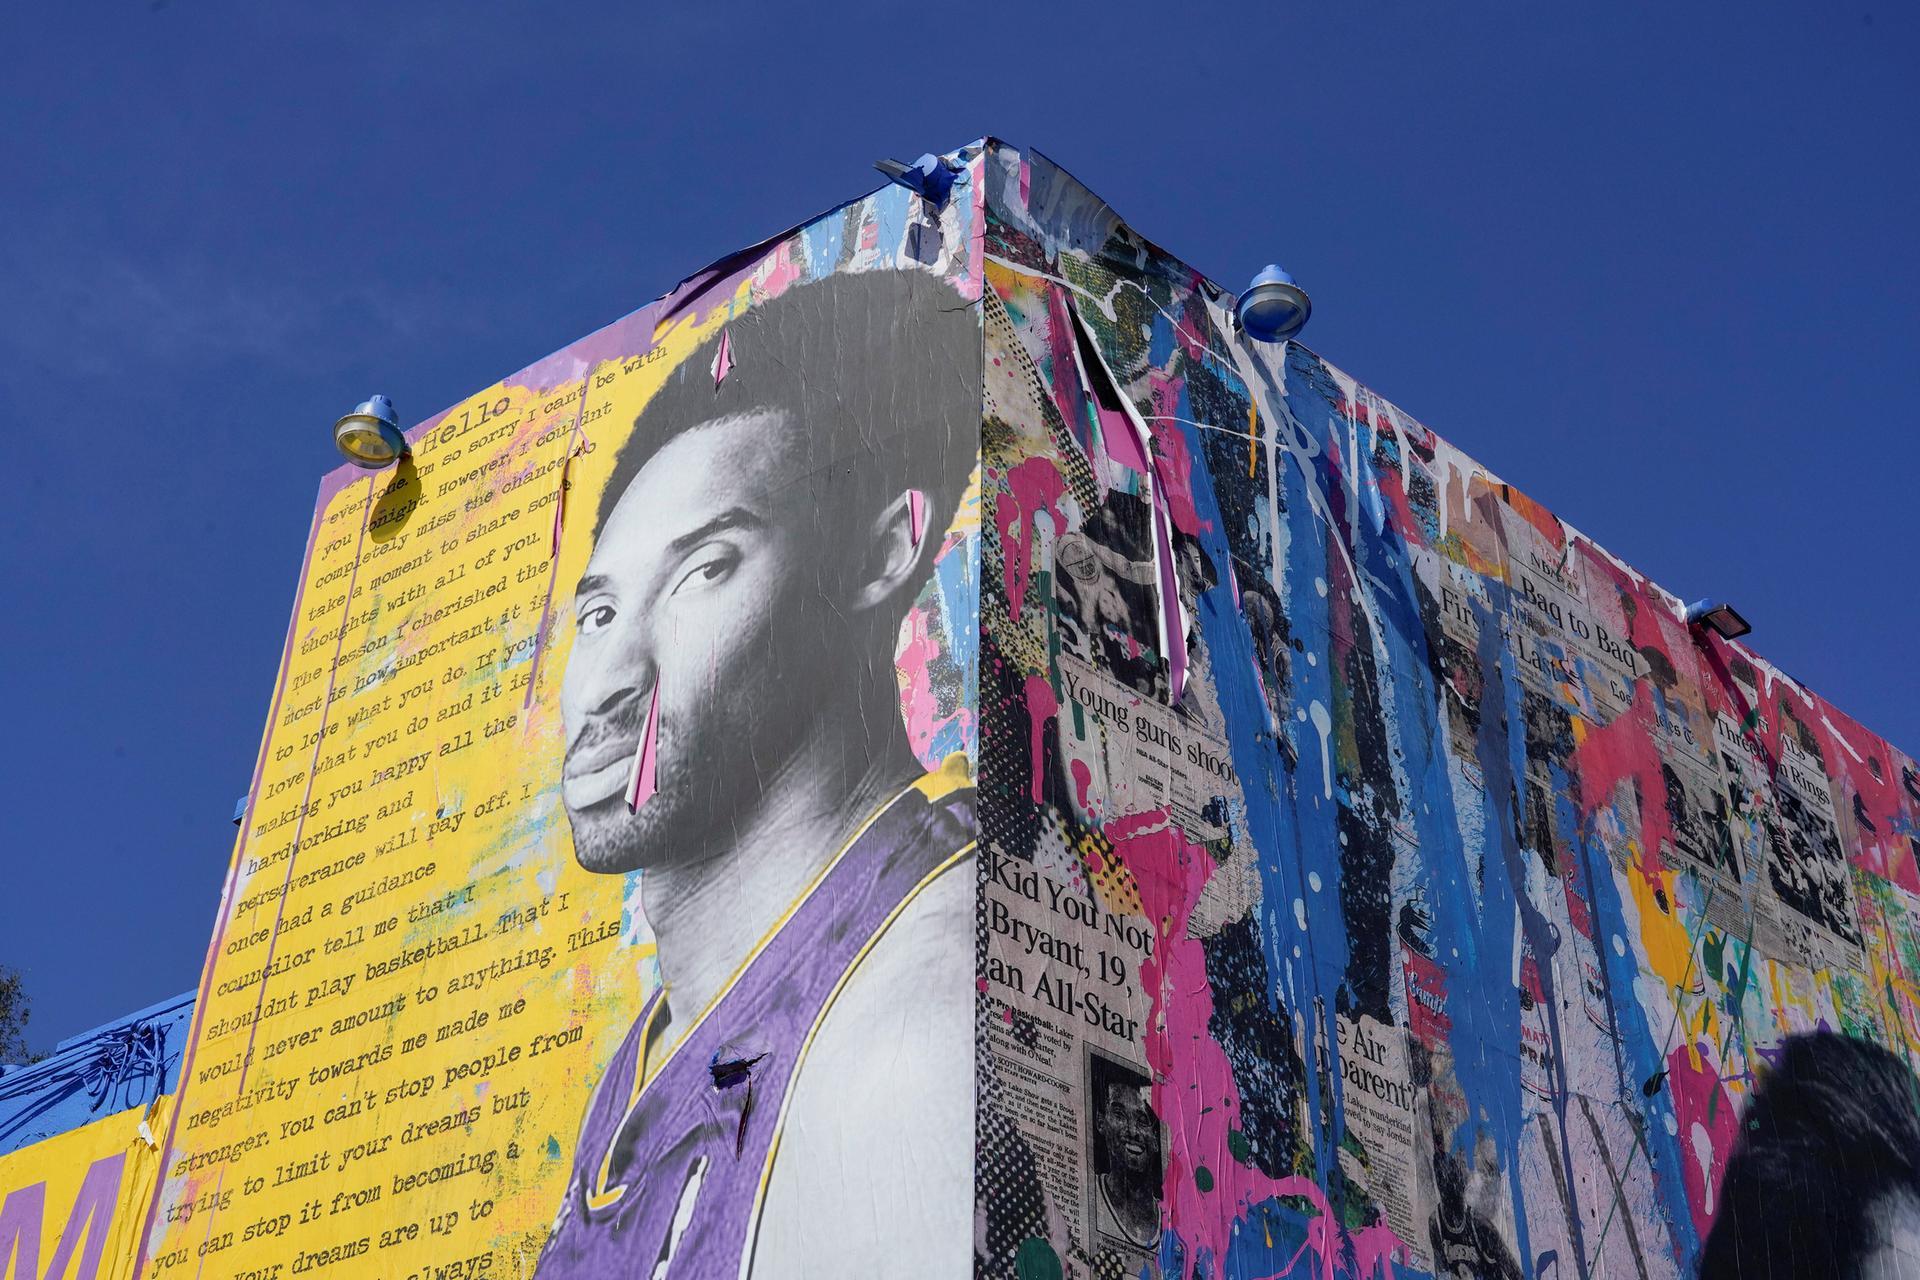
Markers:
point(619, 725)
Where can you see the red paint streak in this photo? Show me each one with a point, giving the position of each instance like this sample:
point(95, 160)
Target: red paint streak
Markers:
point(1032, 487)
point(1623, 751)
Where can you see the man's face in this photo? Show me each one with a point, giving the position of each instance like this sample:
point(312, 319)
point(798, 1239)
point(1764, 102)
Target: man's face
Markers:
point(707, 578)
point(1132, 1132)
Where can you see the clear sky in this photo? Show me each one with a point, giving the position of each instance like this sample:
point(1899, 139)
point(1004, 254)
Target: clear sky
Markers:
point(1657, 265)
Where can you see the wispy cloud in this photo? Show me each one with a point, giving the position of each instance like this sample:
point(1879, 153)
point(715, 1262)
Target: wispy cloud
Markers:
point(98, 309)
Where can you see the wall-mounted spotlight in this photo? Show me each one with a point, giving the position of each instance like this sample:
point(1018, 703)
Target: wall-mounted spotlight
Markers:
point(1719, 617)
point(930, 175)
point(1274, 308)
point(370, 435)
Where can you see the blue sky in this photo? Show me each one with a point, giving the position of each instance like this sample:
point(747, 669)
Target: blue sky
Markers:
point(1656, 265)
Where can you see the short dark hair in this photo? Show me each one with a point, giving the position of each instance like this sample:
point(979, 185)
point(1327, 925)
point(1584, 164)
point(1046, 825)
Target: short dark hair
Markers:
point(1832, 1130)
point(879, 372)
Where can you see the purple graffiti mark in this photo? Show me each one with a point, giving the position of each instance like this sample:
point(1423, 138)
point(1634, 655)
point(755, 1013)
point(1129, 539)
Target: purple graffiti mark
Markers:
point(92, 1213)
point(1032, 487)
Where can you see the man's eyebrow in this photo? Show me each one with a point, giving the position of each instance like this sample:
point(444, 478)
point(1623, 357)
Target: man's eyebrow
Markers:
point(731, 518)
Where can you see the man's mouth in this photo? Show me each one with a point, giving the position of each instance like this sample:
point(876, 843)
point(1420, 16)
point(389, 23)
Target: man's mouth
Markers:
point(597, 774)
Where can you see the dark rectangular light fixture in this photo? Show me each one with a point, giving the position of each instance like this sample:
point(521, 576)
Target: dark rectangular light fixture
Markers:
point(1720, 617)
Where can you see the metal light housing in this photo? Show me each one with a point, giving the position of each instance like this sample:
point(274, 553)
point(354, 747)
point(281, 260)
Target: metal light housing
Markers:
point(931, 176)
point(370, 436)
point(1274, 307)
point(1718, 617)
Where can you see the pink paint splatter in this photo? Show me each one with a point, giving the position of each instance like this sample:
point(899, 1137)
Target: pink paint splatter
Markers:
point(1709, 1126)
point(914, 662)
point(1068, 389)
point(1082, 779)
point(916, 516)
point(781, 269)
point(1193, 1089)
point(1172, 463)
point(1042, 705)
point(1032, 487)
point(645, 779)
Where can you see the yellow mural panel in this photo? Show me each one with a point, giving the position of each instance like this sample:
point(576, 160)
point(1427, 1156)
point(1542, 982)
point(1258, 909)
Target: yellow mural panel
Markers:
point(71, 1206)
point(415, 986)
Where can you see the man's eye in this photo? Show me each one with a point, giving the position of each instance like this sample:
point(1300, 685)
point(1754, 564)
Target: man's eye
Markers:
point(594, 617)
point(710, 565)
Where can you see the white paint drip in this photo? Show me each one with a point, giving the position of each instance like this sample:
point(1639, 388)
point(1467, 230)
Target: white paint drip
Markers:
point(1703, 1152)
point(1841, 738)
point(1323, 723)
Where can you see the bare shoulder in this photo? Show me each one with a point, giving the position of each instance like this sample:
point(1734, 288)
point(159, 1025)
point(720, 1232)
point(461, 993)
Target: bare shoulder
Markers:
point(874, 1160)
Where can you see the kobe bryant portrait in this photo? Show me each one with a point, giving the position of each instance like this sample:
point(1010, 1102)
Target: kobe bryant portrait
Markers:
point(797, 1096)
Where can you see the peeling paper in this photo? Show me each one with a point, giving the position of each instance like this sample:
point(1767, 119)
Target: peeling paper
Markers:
point(1170, 619)
point(645, 779)
point(723, 358)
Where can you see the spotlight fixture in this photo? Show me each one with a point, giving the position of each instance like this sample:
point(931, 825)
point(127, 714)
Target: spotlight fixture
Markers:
point(1719, 617)
point(1274, 308)
point(370, 435)
point(931, 176)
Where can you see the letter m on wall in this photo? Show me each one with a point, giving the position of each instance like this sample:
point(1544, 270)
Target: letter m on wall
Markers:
point(25, 1211)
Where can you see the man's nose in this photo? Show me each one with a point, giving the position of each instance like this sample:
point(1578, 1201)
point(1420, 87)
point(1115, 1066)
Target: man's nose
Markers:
point(601, 682)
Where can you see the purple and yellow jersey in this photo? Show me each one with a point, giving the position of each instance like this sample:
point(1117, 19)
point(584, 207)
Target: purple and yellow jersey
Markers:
point(675, 1156)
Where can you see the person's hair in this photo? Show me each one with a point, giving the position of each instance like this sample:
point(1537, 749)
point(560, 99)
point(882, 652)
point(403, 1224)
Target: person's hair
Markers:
point(877, 373)
point(1831, 1132)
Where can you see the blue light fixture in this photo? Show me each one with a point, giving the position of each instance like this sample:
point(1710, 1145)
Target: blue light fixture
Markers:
point(1274, 308)
point(930, 176)
point(370, 435)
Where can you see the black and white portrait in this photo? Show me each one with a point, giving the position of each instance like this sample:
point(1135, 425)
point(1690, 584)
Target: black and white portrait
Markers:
point(1124, 1138)
point(799, 1090)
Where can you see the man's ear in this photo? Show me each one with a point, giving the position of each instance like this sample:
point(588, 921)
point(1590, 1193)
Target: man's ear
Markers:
point(897, 547)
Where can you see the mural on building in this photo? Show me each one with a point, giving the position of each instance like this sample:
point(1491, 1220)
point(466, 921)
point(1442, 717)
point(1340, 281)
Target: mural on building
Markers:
point(80, 1135)
point(605, 896)
point(1368, 875)
point(1377, 876)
